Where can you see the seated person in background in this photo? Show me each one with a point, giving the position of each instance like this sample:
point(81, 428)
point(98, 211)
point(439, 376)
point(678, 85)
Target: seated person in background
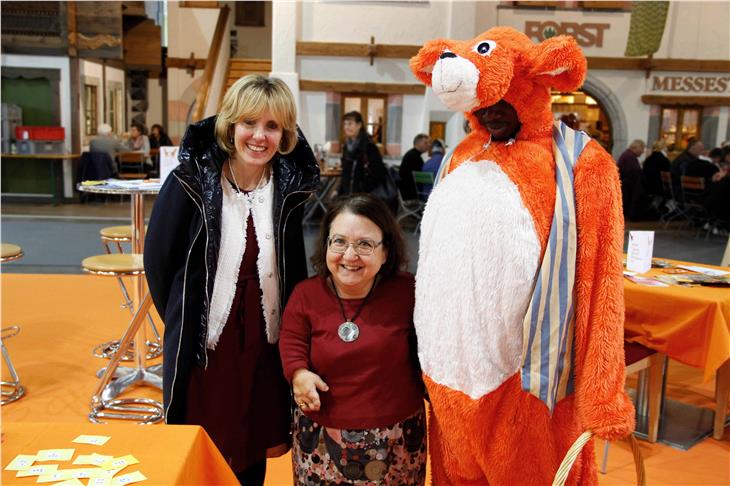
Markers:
point(656, 163)
point(433, 164)
point(348, 347)
point(137, 141)
point(694, 149)
point(158, 137)
point(632, 187)
point(412, 160)
point(105, 141)
point(701, 167)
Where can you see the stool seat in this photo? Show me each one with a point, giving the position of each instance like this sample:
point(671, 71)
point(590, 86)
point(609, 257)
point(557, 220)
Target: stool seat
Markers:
point(123, 232)
point(114, 264)
point(8, 251)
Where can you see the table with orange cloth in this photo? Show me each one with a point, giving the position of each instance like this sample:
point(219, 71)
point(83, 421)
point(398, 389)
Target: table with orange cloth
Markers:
point(688, 324)
point(167, 454)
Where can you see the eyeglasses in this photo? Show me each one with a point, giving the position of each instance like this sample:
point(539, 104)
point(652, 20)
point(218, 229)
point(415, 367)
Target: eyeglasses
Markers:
point(339, 244)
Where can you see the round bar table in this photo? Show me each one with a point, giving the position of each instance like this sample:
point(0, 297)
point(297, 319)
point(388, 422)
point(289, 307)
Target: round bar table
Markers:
point(140, 373)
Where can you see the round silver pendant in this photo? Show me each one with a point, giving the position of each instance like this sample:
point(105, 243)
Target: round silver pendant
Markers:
point(348, 331)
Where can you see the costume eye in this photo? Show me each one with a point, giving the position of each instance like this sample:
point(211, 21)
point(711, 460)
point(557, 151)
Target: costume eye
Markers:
point(485, 48)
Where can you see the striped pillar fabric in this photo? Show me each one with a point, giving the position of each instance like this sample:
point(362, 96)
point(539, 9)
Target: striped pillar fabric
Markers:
point(548, 325)
point(647, 27)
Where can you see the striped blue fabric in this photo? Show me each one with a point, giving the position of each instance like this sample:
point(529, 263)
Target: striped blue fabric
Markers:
point(548, 325)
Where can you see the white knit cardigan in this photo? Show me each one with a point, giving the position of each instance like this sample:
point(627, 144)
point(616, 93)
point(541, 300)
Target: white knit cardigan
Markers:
point(234, 217)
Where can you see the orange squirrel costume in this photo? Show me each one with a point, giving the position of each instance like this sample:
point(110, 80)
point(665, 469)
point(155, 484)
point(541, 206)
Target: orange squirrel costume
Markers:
point(484, 232)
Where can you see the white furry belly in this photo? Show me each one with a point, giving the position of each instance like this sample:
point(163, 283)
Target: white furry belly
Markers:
point(478, 257)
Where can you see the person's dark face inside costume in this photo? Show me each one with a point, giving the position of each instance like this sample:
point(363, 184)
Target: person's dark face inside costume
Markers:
point(500, 120)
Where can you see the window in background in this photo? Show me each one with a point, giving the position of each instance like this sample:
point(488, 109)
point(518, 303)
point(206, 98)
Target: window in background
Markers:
point(114, 109)
point(90, 104)
point(679, 124)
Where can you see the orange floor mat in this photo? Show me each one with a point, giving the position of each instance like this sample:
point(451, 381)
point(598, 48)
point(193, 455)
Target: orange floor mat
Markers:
point(63, 316)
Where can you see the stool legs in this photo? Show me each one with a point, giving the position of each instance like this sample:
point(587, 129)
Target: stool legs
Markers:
point(104, 404)
point(107, 349)
point(11, 390)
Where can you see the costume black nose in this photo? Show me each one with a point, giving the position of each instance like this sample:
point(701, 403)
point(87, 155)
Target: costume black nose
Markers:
point(447, 54)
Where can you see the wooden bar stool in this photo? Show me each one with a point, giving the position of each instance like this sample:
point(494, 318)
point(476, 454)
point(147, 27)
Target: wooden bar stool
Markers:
point(650, 366)
point(116, 235)
point(105, 403)
point(10, 252)
point(12, 390)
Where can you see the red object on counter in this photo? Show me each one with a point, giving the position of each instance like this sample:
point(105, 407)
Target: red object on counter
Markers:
point(40, 133)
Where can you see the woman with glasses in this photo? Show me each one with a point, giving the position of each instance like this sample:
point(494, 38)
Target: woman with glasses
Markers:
point(348, 348)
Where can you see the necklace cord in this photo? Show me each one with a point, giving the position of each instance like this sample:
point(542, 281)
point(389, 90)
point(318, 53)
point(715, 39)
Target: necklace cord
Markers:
point(235, 182)
point(342, 307)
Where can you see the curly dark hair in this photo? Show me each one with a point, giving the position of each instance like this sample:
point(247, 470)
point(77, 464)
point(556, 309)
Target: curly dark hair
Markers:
point(376, 211)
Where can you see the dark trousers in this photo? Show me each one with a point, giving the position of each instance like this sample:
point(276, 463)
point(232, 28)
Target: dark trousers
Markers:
point(254, 475)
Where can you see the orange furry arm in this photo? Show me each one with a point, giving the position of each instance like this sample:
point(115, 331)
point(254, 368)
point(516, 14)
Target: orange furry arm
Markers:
point(603, 406)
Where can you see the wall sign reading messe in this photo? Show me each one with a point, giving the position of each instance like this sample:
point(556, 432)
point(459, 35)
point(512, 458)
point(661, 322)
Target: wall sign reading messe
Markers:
point(691, 84)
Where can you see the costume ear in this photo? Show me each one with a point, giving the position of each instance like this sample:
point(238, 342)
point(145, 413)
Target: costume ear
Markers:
point(559, 63)
point(423, 62)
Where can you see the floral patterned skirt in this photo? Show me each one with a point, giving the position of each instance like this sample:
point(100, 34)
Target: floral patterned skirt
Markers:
point(394, 455)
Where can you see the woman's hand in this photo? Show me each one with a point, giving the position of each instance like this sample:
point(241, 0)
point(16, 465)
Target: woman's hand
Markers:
point(305, 385)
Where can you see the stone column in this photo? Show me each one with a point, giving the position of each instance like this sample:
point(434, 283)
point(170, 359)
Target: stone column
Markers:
point(284, 35)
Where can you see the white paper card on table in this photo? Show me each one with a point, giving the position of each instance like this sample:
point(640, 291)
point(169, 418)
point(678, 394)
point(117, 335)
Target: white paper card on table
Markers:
point(712, 272)
point(37, 470)
point(107, 481)
point(92, 439)
point(21, 462)
point(641, 247)
point(133, 477)
point(55, 455)
point(120, 462)
point(168, 161)
point(70, 482)
point(91, 459)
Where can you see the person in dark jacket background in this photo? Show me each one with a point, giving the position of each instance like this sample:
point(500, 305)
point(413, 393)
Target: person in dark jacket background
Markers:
point(362, 165)
point(223, 252)
point(656, 163)
point(412, 161)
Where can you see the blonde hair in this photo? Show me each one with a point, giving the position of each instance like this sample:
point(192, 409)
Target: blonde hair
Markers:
point(248, 98)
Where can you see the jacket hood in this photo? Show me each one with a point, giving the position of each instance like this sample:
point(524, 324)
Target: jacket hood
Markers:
point(199, 145)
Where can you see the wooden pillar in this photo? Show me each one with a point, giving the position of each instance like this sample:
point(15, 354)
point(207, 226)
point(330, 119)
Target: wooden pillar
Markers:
point(75, 77)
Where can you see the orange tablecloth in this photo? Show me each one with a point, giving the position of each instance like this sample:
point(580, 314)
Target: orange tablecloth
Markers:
point(167, 454)
point(688, 324)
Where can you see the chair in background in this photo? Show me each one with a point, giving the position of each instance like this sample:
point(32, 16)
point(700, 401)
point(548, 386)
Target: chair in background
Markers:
point(131, 165)
point(12, 390)
point(672, 203)
point(424, 183)
point(95, 166)
point(650, 366)
point(693, 195)
point(410, 208)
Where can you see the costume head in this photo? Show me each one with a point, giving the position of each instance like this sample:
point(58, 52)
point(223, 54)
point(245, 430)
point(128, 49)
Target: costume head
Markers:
point(501, 64)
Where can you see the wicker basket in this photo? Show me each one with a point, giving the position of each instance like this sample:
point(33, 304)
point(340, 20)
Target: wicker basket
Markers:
point(562, 475)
